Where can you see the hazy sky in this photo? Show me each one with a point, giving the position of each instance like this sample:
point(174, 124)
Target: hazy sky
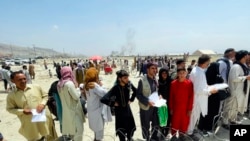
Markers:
point(149, 26)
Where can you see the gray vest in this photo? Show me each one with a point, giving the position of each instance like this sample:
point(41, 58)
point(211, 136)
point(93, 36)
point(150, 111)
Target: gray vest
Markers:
point(146, 91)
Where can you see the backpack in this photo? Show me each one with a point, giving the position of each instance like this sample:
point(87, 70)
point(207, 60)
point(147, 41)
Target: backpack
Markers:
point(228, 65)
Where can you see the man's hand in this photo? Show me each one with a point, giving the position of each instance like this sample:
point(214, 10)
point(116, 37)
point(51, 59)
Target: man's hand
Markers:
point(76, 84)
point(40, 108)
point(150, 103)
point(100, 83)
point(248, 77)
point(116, 104)
point(160, 96)
point(213, 91)
point(27, 111)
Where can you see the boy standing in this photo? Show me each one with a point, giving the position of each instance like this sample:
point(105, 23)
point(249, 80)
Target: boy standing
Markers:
point(181, 101)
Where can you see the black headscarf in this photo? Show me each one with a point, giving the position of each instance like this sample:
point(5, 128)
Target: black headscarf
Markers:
point(213, 74)
point(164, 85)
point(238, 56)
point(160, 75)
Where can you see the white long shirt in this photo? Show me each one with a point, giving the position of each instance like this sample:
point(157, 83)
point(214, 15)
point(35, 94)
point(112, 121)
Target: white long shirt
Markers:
point(236, 85)
point(95, 108)
point(1, 73)
point(201, 92)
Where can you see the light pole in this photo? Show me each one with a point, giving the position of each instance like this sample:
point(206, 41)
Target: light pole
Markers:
point(34, 50)
point(63, 52)
point(52, 52)
point(11, 49)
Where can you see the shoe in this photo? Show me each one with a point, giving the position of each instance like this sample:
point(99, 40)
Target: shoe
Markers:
point(233, 122)
point(174, 138)
point(205, 133)
point(168, 137)
point(196, 131)
point(184, 138)
point(41, 139)
point(66, 138)
point(195, 138)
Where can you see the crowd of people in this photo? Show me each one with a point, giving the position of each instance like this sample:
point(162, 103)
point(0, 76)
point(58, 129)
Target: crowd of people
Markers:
point(192, 99)
point(5, 74)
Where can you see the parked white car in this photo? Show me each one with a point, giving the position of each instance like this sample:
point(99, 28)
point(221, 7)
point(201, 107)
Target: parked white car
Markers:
point(10, 62)
point(18, 61)
point(26, 60)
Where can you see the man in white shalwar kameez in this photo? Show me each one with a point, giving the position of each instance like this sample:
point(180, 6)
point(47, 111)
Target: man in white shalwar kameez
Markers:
point(239, 86)
point(72, 112)
point(201, 91)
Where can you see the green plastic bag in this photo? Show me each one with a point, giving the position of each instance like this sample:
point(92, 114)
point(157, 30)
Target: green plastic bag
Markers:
point(163, 115)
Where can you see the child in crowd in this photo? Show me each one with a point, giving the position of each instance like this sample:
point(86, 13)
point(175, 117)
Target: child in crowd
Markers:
point(181, 101)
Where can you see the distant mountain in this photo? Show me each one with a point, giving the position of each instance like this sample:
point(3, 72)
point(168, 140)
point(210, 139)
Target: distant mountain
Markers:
point(27, 52)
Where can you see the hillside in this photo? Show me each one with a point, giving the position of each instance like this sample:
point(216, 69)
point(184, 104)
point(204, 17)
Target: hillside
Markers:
point(26, 52)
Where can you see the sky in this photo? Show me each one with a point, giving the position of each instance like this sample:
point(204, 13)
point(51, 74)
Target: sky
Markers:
point(144, 27)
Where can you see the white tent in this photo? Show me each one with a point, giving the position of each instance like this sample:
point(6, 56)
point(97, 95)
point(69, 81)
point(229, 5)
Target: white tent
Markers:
point(204, 51)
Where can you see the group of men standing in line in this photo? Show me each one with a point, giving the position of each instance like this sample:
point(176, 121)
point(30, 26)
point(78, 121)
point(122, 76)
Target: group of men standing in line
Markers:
point(189, 98)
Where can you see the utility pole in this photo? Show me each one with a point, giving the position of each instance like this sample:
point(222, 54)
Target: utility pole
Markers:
point(34, 50)
point(11, 49)
point(52, 52)
point(63, 53)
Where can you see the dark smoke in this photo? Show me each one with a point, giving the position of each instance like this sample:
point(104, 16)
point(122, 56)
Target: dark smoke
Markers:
point(129, 47)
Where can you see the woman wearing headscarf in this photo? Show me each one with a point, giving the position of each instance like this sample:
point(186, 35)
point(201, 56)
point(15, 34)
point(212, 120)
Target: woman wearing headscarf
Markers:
point(94, 92)
point(239, 86)
point(72, 113)
point(54, 102)
point(124, 120)
point(164, 84)
point(206, 122)
point(79, 74)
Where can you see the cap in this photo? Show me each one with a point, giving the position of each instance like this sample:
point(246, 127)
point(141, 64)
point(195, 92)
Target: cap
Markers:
point(122, 73)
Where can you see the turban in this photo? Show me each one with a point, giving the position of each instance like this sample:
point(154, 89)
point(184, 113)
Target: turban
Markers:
point(79, 65)
point(91, 75)
point(66, 75)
